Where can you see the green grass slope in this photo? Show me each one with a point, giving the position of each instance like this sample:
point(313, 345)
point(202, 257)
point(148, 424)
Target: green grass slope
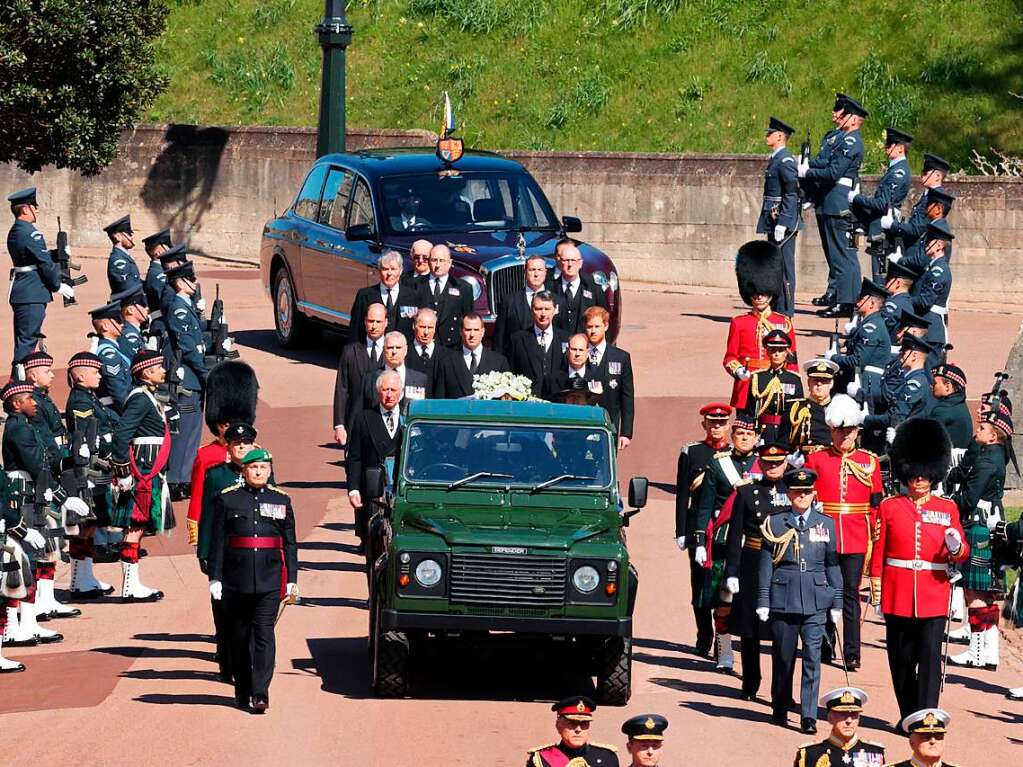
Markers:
point(627, 75)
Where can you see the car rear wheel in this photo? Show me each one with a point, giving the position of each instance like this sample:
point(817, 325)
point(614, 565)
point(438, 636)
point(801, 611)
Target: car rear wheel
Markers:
point(292, 326)
point(614, 674)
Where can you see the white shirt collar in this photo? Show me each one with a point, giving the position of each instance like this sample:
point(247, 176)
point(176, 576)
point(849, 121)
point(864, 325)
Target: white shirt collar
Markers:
point(384, 290)
point(601, 348)
point(896, 161)
point(574, 283)
point(466, 351)
point(379, 343)
point(544, 333)
point(439, 280)
point(580, 373)
point(775, 152)
point(428, 348)
point(400, 370)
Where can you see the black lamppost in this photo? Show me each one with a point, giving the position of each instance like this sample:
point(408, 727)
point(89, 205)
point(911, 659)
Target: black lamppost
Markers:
point(335, 34)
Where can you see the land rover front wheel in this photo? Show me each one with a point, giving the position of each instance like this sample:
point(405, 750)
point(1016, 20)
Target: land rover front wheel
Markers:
point(614, 672)
point(391, 667)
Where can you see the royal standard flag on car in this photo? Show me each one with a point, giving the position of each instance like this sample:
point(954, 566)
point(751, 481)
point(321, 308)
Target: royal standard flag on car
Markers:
point(449, 118)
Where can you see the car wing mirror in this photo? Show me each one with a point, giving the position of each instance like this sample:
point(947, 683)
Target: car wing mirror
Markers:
point(360, 232)
point(637, 493)
point(571, 224)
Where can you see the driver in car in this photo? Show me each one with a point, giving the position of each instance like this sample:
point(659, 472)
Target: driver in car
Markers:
point(408, 218)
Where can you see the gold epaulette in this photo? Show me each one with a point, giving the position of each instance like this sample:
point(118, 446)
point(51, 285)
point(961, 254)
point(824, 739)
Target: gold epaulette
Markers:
point(605, 745)
point(723, 453)
point(229, 488)
point(277, 490)
point(875, 744)
point(534, 749)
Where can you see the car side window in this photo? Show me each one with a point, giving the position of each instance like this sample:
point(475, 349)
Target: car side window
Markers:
point(336, 192)
point(362, 206)
point(307, 205)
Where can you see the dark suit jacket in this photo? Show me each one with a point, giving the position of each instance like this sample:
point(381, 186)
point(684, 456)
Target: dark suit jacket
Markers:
point(368, 445)
point(455, 302)
point(415, 362)
point(557, 382)
point(351, 369)
point(570, 313)
point(401, 314)
point(513, 315)
point(619, 396)
point(453, 379)
point(527, 359)
point(416, 387)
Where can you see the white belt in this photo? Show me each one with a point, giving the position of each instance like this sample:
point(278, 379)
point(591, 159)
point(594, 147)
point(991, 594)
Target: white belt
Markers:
point(845, 182)
point(19, 474)
point(106, 401)
point(984, 506)
point(896, 349)
point(916, 564)
point(772, 199)
point(941, 311)
point(23, 269)
point(873, 369)
point(147, 441)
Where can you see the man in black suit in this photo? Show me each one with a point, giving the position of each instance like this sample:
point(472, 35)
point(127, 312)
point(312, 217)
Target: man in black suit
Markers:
point(613, 368)
point(576, 292)
point(539, 350)
point(574, 365)
point(456, 369)
point(413, 382)
point(516, 310)
point(449, 297)
point(419, 254)
point(424, 351)
point(375, 438)
point(401, 301)
point(356, 358)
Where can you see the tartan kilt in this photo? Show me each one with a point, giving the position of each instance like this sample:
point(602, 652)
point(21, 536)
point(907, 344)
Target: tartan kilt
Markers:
point(710, 596)
point(979, 571)
point(154, 520)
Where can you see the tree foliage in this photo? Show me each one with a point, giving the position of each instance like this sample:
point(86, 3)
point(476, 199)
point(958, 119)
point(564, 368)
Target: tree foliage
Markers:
point(73, 75)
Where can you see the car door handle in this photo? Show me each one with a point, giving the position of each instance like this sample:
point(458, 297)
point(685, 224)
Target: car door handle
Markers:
point(332, 246)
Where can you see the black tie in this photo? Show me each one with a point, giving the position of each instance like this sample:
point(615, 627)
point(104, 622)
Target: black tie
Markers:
point(373, 352)
point(426, 354)
point(390, 422)
point(436, 291)
point(389, 304)
point(473, 363)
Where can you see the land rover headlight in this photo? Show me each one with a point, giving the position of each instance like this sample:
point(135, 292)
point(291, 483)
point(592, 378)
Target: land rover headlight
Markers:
point(612, 280)
point(601, 279)
point(429, 572)
point(475, 283)
point(585, 579)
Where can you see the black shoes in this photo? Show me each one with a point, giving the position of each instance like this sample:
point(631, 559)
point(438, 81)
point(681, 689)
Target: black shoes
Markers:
point(260, 703)
point(808, 725)
point(837, 311)
point(780, 719)
point(747, 695)
point(825, 300)
point(853, 664)
point(180, 492)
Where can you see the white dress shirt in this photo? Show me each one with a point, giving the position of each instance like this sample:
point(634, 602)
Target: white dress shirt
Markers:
point(467, 355)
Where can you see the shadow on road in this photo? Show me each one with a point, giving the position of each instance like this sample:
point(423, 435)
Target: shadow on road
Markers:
point(668, 661)
point(151, 673)
point(358, 604)
point(164, 637)
point(344, 548)
point(320, 485)
point(155, 652)
point(347, 567)
point(322, 353)
point(667, 487)
point(720, 318)
point(716, 710)
point(165, 699)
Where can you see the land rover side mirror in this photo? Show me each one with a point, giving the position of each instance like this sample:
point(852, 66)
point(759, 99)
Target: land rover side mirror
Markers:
point(571, 224)
point(637, 493)
point(374, 482)
point(360, 232)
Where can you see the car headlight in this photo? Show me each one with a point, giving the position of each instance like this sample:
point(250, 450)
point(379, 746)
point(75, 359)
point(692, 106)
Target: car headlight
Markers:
point(601, 279)
point(475, 283)
point(585, 579)
point(612, 280)
point(429, 571)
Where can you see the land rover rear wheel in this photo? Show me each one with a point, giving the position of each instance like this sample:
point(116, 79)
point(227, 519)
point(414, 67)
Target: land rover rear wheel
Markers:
point(390, 678)
point(614, 672)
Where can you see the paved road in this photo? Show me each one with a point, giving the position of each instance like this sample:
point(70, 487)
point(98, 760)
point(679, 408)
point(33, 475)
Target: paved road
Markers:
point(144, 674)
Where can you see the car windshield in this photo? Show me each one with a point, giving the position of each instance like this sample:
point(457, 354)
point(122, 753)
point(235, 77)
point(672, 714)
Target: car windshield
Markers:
point(463, 202)
point(564, 457)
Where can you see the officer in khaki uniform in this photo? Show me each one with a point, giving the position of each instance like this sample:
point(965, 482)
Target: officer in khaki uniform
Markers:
point(574, 748)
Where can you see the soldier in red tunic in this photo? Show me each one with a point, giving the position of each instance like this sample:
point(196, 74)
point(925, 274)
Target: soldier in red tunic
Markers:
point(758, 271)
point(850, 489)
point(918, 537)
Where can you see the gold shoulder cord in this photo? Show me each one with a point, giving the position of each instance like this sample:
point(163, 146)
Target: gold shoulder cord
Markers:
point(781, 542)
point(824, 761)
point(771, 392)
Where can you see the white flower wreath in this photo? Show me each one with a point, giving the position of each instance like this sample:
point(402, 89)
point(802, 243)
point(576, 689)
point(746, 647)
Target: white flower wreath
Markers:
point(497, 385)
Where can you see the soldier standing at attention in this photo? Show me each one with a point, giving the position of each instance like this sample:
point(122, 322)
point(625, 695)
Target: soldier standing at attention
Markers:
point(950, 409)
point(842, 746)
point(813, 194)
point(122, 271)
point(155, 283)
point(900, 281)
point(912, 228)
point(693, 462)
point(926, 730)
point(868, 347)
point(931, 291)
point(573, 747)
point(919, 536)
point(646, 738)
point(772, 391)
point(253, 567)
point(779, 213)
point(115, 374)
point(799, 582)
point(134, 316)
point(834, 182)
point(809, 430)
point(35, 276)
point(185, 328)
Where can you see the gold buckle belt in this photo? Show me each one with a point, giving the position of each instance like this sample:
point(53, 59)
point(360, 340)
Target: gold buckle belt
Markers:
point(846, 508)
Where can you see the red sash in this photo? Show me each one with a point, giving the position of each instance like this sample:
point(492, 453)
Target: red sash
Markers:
point(263, 542)
point(143, 497)
point(554, 756)
point(724, 517)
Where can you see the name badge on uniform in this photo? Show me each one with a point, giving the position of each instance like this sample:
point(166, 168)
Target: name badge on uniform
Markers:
point(614, 368)
point(272, 510)
point(415, 392)
point(454, 292)
point(407, 312)
point(931, 517)
point(587, 294)
point(820, 534)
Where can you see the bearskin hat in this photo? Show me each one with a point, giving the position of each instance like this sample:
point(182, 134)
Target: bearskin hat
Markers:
point(921, 448)
point(759, 268)
point(231, 394)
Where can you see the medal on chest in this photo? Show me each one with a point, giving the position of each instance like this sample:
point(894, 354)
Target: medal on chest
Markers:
point(272, 510)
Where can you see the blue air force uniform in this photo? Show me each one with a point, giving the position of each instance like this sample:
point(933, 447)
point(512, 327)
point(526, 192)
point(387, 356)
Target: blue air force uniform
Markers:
point(35, 276)
point(799, 580)
point(780, 207)
point(930, 298)
point(185, 329)
point(115, 375)
point(868, 349)
point(891, 191)
point(130, 340)
point(909, 396)
point(122, 271)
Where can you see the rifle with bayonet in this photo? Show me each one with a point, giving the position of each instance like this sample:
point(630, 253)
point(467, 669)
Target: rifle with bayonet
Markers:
point(174, 389)
point(219, 345)
point(62, 256)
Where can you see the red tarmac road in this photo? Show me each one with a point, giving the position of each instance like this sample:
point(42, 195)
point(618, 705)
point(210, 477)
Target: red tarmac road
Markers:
point(135, 685)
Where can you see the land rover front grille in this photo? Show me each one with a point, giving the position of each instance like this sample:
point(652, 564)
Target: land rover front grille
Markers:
point(503, 580)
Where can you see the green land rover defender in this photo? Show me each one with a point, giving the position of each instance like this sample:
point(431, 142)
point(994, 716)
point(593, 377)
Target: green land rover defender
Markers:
point(502, 517)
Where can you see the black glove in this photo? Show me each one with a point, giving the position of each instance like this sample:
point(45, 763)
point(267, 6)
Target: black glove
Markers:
point(204, 566)
point(1000, 532)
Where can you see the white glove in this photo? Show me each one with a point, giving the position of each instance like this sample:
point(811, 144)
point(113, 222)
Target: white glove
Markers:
point(48, 495)
point(953, 540)
point(200, 305)
point(217, 590)
point(850, 326)
point(35, 539)
point(732, 585)
point(889, 435)
point(701, 555)
point(151, 343)
point(181, 374)
point(84, 452)
point(993, 519)
point(227, 345)
point(829, 353)
point(836, 616)
point(779, 232)
point(852, 194)
point(124, 484)
point(763, 613)
point(681, 542)
point(896, 256)
point(877, 610)
point(865, 410)
point(742, 373)
point(291, 590)
point(802, 168)
point(853, 389)
point(66, 290)
point(886, 221)
point(796, 460)
point(75, 505)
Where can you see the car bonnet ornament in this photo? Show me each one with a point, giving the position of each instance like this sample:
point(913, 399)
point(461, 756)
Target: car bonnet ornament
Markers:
point(449, 149)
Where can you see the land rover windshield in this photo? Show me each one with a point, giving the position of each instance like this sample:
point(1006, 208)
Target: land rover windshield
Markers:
point(533, 457)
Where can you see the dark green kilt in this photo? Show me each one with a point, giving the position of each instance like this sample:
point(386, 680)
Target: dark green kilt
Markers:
point(158, 518)
point(710, 594)
point(979, 571)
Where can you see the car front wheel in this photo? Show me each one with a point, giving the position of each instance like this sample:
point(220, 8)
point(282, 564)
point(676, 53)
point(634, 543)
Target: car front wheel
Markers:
point(290, 324)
